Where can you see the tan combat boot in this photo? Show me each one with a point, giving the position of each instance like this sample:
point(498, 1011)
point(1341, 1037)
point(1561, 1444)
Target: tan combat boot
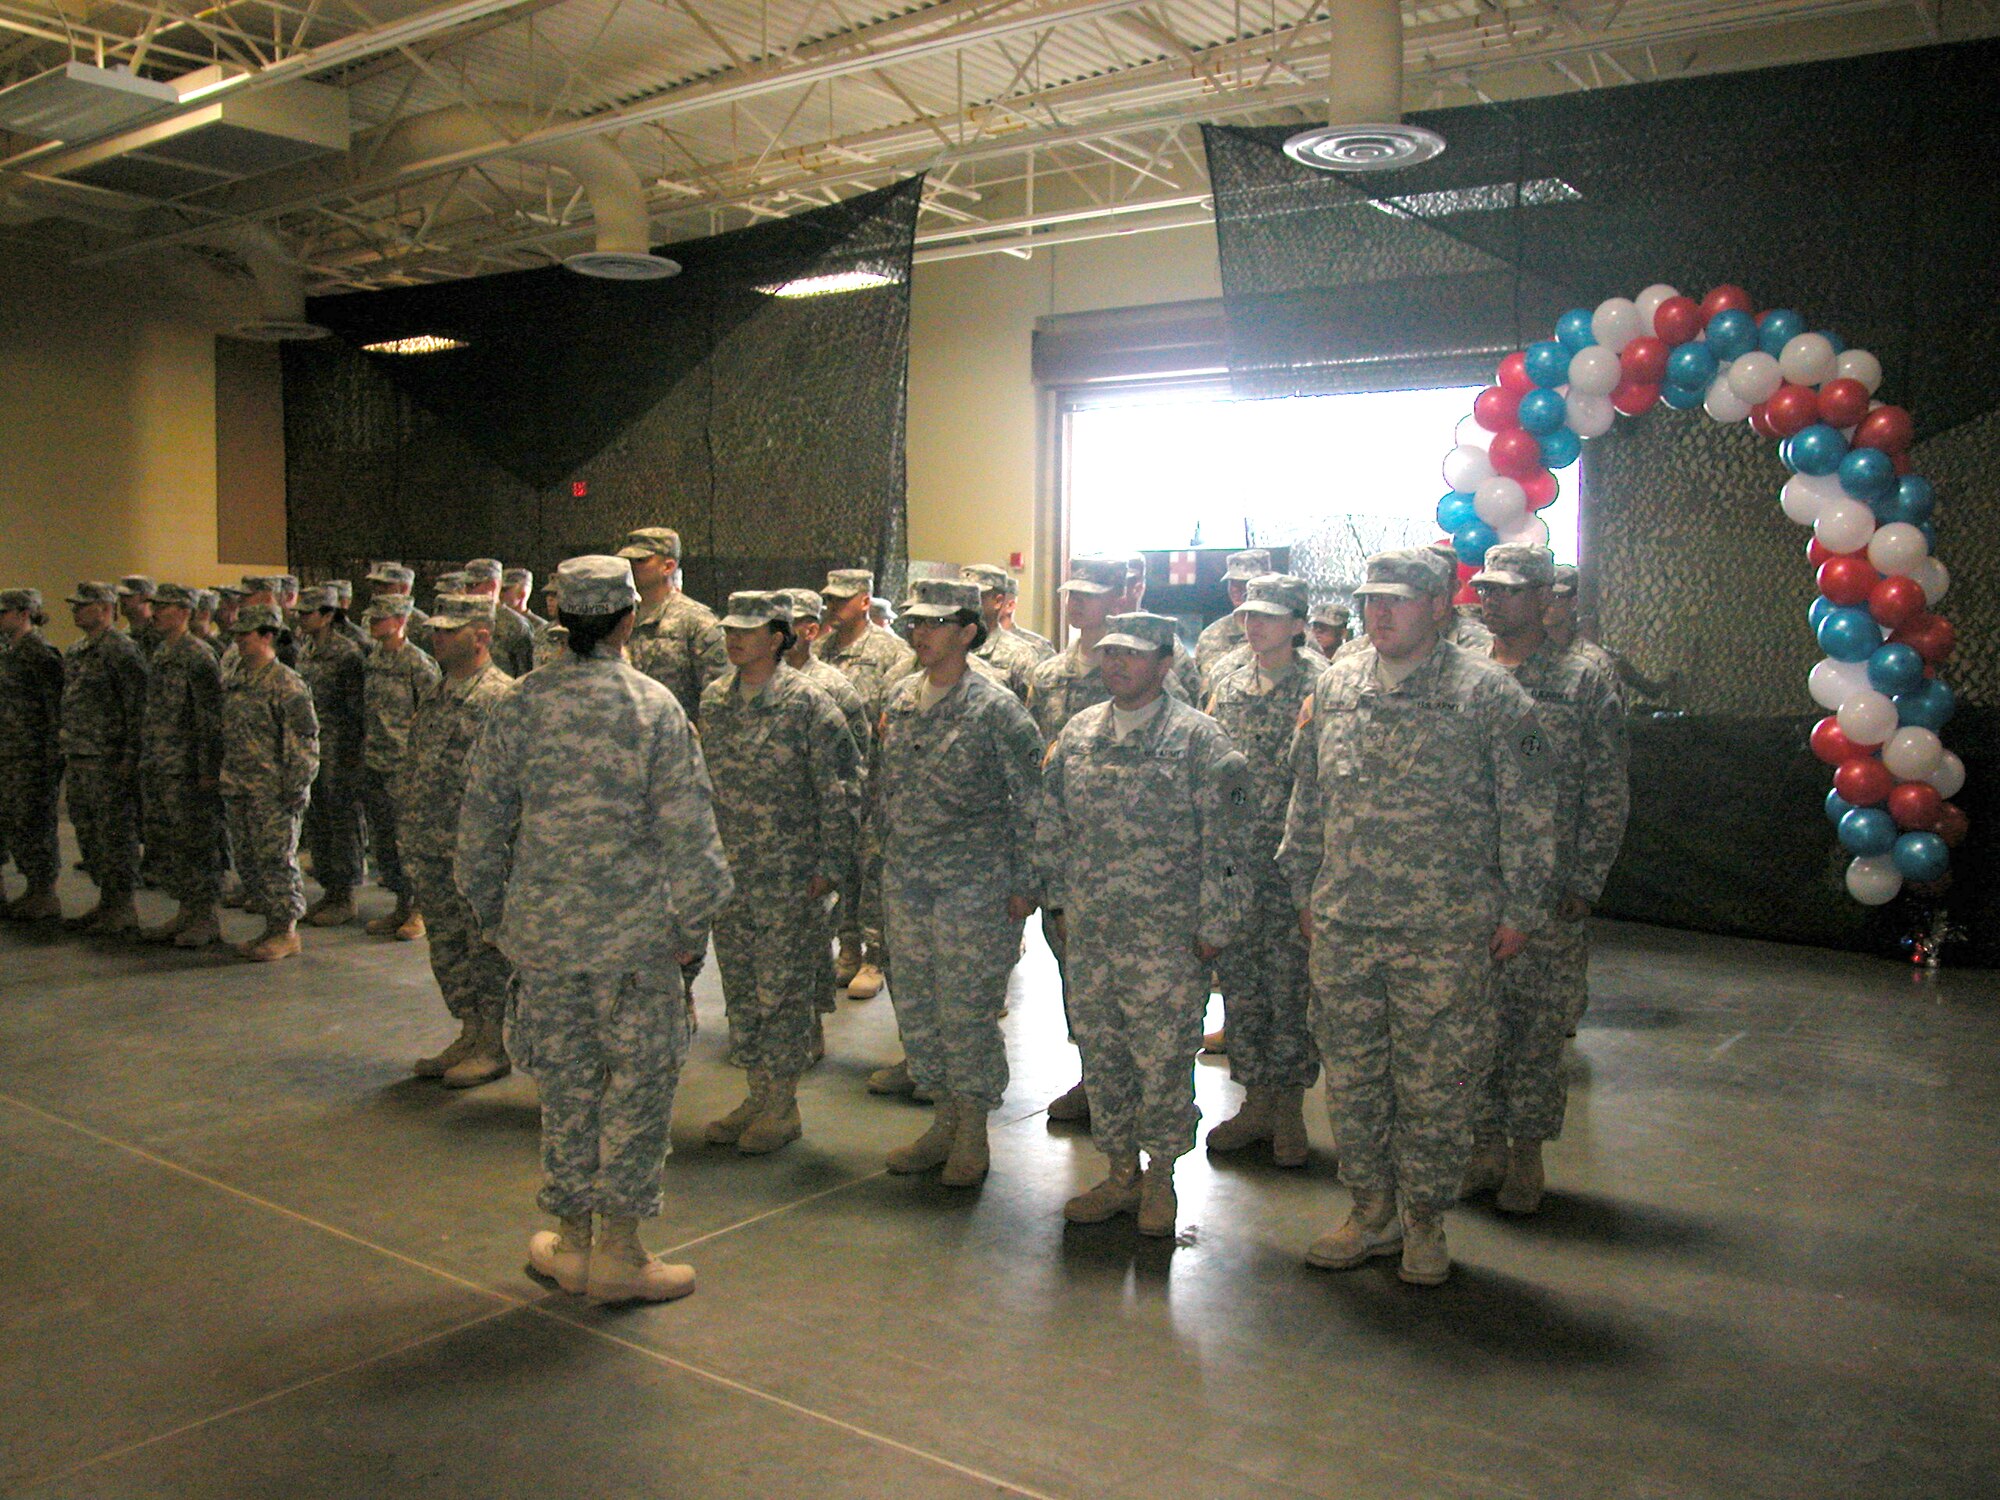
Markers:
point(234, 896)
point(621, 1269)
point(1486, 1169)
point(1521, 1191)
point(1158, 1207)
point(1117, 1194)
point(847, 965)
point(278, 940)
point(454, 1053)
point(932, 1148)
point(487, 1062)
point(778, 1123)
point(36, 904)
point(118, 918)
point(867, 981)
point(728, 1129)
point(332, 911)
point(170, 929)
point(970, 1158)
point(892, 1080)
point(1289, 1144)
point(1426, 1259)
point(388, 924)
point(1072, 1106)
point(202, 929)
point(1372, 1229)
point(819, 1039)
point(563, 1255)
point(412, 927)
point(1251, 1123)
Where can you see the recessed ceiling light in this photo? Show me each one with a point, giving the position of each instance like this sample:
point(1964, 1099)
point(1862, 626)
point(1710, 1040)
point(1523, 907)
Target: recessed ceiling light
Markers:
point(423, 343)
point(828, 284)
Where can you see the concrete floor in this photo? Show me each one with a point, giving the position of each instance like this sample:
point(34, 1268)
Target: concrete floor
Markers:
point(246, 1254)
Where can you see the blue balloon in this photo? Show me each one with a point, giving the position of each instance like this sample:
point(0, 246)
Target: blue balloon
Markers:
point(1868, 830)
point(1848, 634)
point(1573, 330)
point(1921, 856)
point(1455, 508)
point(1471, 540)
point(1780, 326)
point(1732, 334)
point(1542, 411)
point(1548, 363)
point(1930, 536)
point(1837, 807)
point(1560, 448)
point(1895, 668)
point(1683, 397)
point(1693, 364)
point(1821, 607)
point(1868, 474)
point(1839, 343)
point(1929, 705)
point(1915, 499)
point(1817, 450)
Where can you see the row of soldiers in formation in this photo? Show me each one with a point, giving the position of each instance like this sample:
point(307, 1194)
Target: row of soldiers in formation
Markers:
point(1385, 858)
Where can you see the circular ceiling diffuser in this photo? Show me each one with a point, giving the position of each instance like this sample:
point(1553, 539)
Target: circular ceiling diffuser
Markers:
point(277, 331)
point(1363, 148)
point(622, 265)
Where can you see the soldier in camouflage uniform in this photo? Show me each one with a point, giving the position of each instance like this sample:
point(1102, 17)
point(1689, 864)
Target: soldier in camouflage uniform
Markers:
point(550, 638)
point(395, 676)
point(1014, 657)
point(787, 803)
point(31, 698)
point(473, 976)
point(270, 589)
point(201, 621)
point(1419, 846)
point(517, 586)
point(180, 769)
point(1541, 993)
point(1224, 635)
point(135, 607)
point(953, 793)
point(1141, 844)
point(334, 668)
point(513, 635)
point(103, 713)
point(393, 580)
point(1264, 980)
point(1327, 626)
point(588, 848)
point(675, 640)
point(228, 599)
point(270, 754)
point(343, 616)
point(1186, 680)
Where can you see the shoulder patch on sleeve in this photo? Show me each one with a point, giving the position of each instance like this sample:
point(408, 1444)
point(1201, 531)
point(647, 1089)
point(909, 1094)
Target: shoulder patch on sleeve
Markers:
point(1306, 710)
point(1531, 744)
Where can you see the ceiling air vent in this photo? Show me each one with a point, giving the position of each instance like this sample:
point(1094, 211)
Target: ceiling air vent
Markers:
point(81, 103)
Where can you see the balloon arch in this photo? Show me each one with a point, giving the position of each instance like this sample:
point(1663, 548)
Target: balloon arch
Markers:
point(1879, 586)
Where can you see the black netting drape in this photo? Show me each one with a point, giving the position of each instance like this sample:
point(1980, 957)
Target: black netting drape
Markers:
point(767, 428)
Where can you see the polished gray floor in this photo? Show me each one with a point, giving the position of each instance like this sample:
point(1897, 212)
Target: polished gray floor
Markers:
point(246, 1254)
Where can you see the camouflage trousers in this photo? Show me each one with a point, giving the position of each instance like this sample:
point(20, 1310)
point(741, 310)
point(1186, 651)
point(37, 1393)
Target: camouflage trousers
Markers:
point(473, 976)
point(180, 838)
point(771, 948)
point(333, 829)
point(954, 948)
point(104, 806)
point(264, 838)
point(1136, 1003)
point(1404, 1022)
point(1052, 935)
point(378, 797)
point(1525, 1094)
point(1266, 987)
point(28, 808)
point(606, 1050)
point(860, 912)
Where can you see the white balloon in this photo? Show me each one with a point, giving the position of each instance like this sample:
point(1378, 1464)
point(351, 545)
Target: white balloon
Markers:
point(1832, 683)
point(1594, 371)
point(1754, 376)
point(1933, 578)
point(1529, 531)
point(1949, 777)
point(1722, 403)
point(1843, 525)
point(1465, 467)
point(1808, 359)
point(1616, 323)
point(1590, 416)
point(1868, 718)
point(1648, 302)
point(1500, 502)
point(1874, 880)
point(1859, 364)
point(1897, 548)
point(1471, 435)
point(1805, 496)
point(1913, 754)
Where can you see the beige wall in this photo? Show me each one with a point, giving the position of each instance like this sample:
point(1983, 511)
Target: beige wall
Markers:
point(972, 429)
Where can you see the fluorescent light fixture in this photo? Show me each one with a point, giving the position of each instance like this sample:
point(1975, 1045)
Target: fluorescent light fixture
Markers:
point(1491, 198)
point(828, 284)
point(423, 343)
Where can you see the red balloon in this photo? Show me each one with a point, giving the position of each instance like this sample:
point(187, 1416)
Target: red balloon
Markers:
point(1952, 825)
point(1725, 298)
point(1792, 408)
point(1514, 453)
point(1644, 361)
point(1848, 580)
point(1895, 601)
point(1467, 594)
point(1902, 462)
point(1843, 402)
point(1831, 744)
point(1679, 320)
point(1542, 489)
point(1915, 805)
point(1513, 374)
point(1632, 398)
point(1496, 409)
point(1931, 636)
point(1760, 421)
point(1465, 571)
point(1864, 780)
point(1887, 427)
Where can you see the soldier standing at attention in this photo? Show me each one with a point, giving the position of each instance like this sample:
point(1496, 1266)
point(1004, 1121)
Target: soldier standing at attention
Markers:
point(473, 976)
point(31, 697)
point(103, 713)
point(201, 620)
point(1542, 992)
point(334, 669)
point(343, 605)
point(1327, 626)
point(228, 599)
point(1013, 657)
point(1224, 635)
point(513, 636)
point(270, 589)
point(517, 585)
point(675, 640)
point(270, 754)
point(787, 804)
point(587, 847)
point(392, 579)
point(180, 768)
point(1264, 980)
point(1419, 846)
point(394, 678)
point(1186, 680)
point(135, 605)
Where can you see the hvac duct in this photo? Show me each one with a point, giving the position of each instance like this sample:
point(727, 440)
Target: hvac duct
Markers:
point(281, 293)
point(1364, 130)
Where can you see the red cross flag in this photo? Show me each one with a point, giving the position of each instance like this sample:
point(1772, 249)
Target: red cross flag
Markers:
point(1180, 568)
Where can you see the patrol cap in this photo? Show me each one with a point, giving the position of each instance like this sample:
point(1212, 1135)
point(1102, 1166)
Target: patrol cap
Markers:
point(389, 607)
point(752, 608)
point(262, 583)
point(137, 585)
point(991, 578)
point(28, 599)
point(174, 593)
point(650, 541)
point(343, 591)
point(455, 611)
point(287, 584)
point(1565, 579)
point(517, 578)
point(484, 570)
point(806, 604)
point(597, 585)
point(1095, 575)
point(93, 592)
point(1247, 564)
point(257, 617)
point(1275, 594)
point(1517, 565)
point(1407, 573)
point(204, 599)
point(392, 572)
point(845, 583)
point(229, 591)
point(941, 598)
point(1331, 612)
point(320, 596)
point(452, 581)
point(1140, 630)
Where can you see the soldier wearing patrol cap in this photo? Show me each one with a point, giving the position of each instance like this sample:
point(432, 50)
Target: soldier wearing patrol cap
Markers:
point(999, 595)
point(588, 850)
point(135, 607)
point(394, 679)
point(1541, 993)
point(31, 697)
point(787, 804)
point(335, 671)
point(268, 588)
point(201, 620)
point(1561, 624)
point(1010, 656)
point(393, 580)
point(1404, 738)
point(1183, 675)
point(180, 769)
point(675, 640)
point(228, 599)
point(1226, 634)
point(103, 712)
point(1327, 626)
point(270, 754)
point(343, 618)
point(517, 587)
point(1141, 847)
point(513, 635)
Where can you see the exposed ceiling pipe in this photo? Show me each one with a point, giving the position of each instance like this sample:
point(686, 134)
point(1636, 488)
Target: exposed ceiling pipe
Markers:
point(1364, 130)
point(281, 297)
